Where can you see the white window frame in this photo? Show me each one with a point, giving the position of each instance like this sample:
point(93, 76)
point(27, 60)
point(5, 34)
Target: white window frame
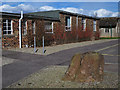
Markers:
point(6, 21)
point(94, 26)
point(84, 24)
point(12, 26)
point(33, 27)
point(52, 29)
point(25, 28)
point(70, 24)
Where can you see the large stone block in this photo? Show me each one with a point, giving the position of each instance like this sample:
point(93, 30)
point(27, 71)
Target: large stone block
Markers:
point(86, 67)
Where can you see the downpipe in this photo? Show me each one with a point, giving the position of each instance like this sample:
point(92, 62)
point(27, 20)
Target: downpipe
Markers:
point(20, 34)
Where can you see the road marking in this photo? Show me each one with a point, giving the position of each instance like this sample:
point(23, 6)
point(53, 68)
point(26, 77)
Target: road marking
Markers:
point(106, 48)
point(110, 55)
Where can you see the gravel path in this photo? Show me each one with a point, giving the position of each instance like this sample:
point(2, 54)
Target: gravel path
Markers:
point(56, 48)
point(50, 77)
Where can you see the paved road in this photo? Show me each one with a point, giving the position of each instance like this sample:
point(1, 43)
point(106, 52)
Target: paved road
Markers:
point(29, 63)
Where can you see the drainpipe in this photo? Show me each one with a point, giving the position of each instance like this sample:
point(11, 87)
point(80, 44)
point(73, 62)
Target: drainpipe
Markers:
point(20, 38)
point(111, 30)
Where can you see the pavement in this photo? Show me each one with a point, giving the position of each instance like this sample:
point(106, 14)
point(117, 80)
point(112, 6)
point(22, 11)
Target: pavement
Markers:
point(27, 63)
point(57, 48)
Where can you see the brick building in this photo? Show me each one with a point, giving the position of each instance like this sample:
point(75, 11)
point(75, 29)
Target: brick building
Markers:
point(30, 26)
point(56, 26)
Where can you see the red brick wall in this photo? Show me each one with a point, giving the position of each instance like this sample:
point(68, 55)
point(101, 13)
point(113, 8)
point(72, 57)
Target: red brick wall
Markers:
point(97, 33)
point(61, 36)
point(39, 32)
point(12, 41)
point(9, 41)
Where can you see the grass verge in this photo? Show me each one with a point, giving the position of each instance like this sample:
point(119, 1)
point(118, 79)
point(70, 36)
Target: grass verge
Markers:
point(109, 37)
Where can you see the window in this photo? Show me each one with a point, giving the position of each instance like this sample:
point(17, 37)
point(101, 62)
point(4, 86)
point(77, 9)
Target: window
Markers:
point(49, 27)
point(94, 25)
point(24, 27)
point(33, 27)
point(106, 30)
point(7, 27)
point(118, 27)
point(83, 24)
point(68, 23)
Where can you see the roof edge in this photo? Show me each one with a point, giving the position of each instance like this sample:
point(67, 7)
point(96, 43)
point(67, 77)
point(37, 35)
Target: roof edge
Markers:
point(66, 12)
point(27, 16)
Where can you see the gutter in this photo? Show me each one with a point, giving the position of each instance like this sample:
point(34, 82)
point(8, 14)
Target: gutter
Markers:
point(20, 38)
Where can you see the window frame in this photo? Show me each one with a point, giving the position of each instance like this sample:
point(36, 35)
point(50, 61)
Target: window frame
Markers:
point(7, 26)
point(83, 24)
point(94, 25)
point(108, 30)
point(69, 22)
point(25, 27)
point(52, 23)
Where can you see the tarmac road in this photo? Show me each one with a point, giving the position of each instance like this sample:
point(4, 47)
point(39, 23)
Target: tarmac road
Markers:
point(27, 64)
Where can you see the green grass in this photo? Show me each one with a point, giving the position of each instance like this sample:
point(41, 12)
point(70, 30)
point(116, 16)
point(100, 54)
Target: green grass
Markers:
point(109, 37)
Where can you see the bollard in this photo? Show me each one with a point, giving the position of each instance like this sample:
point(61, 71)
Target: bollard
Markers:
point(34, 44)
point(43, 43)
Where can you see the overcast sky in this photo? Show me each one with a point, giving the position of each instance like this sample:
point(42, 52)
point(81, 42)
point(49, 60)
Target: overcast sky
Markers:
point(103, 9)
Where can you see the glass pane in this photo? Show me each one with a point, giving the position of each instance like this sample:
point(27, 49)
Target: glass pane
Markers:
point(9, 21)
point(9, 28)
point(94, 22)
point(4, 20)
point(9, 24)
point(67, 21)
point(84, 21)
point(107, 30)
point(4, 32)
point(48, 25)
point(33, 24)
point(4, 28)
point(84, 25)
point(4, 24)
point(9, 32)
point(23, 23)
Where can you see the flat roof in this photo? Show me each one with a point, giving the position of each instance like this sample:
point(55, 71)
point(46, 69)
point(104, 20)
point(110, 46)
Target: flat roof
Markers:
point(108, 22)
point(27, 16)
point(54, 13)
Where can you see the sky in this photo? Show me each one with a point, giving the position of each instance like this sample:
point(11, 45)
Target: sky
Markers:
point(102, 9)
